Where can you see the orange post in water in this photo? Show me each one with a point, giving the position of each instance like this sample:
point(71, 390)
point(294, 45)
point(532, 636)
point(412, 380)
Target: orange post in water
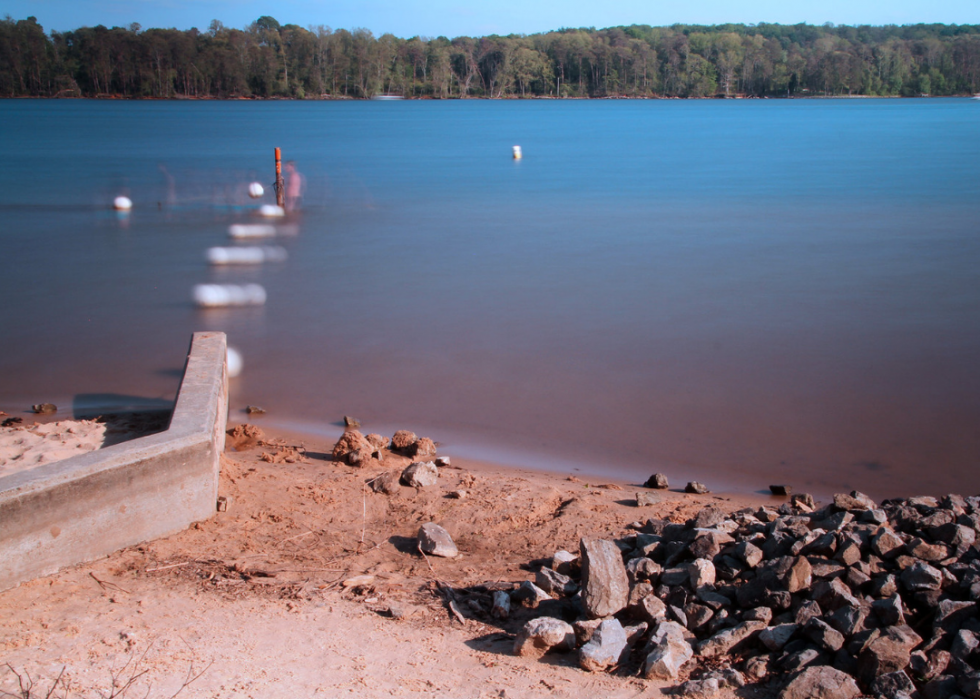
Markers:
point(280, 189)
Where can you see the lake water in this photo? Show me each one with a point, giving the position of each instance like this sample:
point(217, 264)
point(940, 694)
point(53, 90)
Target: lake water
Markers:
point(740, 293)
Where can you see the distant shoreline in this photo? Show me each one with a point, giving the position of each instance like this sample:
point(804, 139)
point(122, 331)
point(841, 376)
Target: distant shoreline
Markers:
point(509, 98)
point(271, 60)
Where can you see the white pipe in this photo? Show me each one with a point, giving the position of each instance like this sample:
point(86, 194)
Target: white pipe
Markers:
point(271, 211)
point(219, 295)
point(253, 255)
point(251, 230)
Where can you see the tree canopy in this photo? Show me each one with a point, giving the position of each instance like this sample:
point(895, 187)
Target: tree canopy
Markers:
point(269, 60)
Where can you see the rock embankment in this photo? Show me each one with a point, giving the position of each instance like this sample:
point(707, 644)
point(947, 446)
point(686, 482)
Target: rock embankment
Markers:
point(852, 597)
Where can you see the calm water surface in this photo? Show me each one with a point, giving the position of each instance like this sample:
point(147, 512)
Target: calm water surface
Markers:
point(741, 293)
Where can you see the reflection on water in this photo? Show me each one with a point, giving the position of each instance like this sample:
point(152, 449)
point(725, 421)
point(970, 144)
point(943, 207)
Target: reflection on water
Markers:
point(737, 293)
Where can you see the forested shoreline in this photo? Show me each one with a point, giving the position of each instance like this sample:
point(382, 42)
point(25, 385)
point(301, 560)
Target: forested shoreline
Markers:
point(268, 60)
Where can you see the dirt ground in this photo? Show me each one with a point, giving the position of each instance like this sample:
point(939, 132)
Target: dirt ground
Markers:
point(311, 584)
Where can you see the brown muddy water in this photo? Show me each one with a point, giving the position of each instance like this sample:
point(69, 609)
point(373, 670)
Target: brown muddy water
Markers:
point(736, 293)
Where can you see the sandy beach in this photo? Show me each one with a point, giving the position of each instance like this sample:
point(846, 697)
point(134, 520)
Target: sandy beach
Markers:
point(28, 442)
point(310, 585)
point(312, 579)
point(25, 446)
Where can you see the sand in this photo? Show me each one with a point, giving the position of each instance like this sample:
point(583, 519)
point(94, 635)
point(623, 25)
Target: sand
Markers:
point(46, 440)
point(255, 598)
point(25, 446)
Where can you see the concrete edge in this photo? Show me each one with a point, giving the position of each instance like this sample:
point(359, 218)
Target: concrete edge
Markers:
point(90, 505)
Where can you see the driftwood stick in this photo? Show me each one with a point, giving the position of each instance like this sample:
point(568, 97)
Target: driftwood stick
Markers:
point(172, 565)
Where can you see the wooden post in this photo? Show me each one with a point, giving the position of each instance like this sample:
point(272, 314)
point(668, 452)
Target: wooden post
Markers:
point(280, 189)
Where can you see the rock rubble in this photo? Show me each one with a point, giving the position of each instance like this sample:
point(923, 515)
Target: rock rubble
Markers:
point(832, 601)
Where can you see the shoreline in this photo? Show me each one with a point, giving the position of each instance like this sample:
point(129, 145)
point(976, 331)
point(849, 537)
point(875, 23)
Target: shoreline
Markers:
point(500, 451)
point(309, 563)
point(314, 580)
point(503, 460)
point(528, 467)
point(512, 98)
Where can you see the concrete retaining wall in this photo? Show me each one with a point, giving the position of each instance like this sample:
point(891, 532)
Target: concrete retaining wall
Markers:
point(88, 506)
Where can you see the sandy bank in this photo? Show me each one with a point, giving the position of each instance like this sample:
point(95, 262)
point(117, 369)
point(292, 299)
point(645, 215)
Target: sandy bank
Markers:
point(312, 583)
point(256, 594)
point(25, 446)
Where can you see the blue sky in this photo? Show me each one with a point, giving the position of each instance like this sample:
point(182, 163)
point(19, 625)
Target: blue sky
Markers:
point(406, 18)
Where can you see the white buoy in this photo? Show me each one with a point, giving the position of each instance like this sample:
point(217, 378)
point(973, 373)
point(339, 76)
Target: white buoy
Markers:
point(271, 211)
point(246, 255)
point(255, 190)
point(234, 360)
point(122, 203)
point(252, 230)
point(517, 153)
point(220, 295)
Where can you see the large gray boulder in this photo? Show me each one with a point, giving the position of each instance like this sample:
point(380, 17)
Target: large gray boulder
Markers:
point(702, 572)
point(951, 614)
point(749, 553)
point(501, 605)
point(605, 585)
point(969, 684)
point(787, 573)
point(651, 609)
point(667, 651)
point(889, 652)
point(542, 635)
point(855, 501)
point(709, 516)
point(551, 581)
point(604, 648)
point(889, 611)
point(964, 644)
point(775, 637)
point(887, 544)
point(708, 688)
point(921, 576)
point(821, 682)
point(529, 595)
point(893, 685)
point(821, 633)
point(435, 541)
point(724, 641)
point(386, 483)
point(420, 474)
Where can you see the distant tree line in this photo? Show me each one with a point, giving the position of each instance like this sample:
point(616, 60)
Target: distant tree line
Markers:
point(269, 60)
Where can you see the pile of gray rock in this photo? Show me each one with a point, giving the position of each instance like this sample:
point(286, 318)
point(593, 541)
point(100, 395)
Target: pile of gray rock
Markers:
point(833, 601)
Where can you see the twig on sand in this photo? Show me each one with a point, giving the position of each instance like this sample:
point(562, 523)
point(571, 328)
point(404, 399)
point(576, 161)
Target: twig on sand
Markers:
point(291, 538)
point(106, 585)
point(26, 684)
point(188, 680)
point(419, 547)
point(119, 688)
point(363, 513)
point(172, 565)
point(455, 610)
point(450, 594)
point(445, 588)
point(335, 583)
